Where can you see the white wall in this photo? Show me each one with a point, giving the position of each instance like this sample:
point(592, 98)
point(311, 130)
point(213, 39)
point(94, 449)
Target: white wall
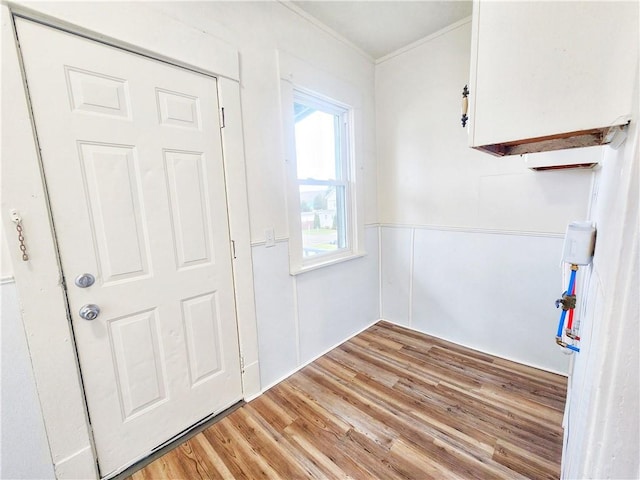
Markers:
point(602, 434)
point(487, 291)
point(427, 173)
point(301, 317)
point(24, 451)
point(20, 415)
point(455, 218)
point(6, 269)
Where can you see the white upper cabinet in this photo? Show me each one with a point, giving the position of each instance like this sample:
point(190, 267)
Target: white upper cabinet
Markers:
point(550, 75)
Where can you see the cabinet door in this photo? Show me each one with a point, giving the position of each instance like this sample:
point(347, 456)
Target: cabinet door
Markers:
point(547, 68)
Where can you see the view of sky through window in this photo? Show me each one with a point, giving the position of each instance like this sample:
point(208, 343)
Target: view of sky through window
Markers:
point(315, 146)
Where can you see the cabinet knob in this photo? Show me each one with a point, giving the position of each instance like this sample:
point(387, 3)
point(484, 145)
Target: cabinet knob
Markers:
point(465, 105)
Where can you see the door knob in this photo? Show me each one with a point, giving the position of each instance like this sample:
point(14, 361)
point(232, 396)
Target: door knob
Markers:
point(89, 311)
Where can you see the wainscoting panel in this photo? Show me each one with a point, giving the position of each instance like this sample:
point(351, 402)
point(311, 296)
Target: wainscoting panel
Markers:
point(490, 291)
point(337, 302)
point(397, 256)
point(302, 316)
point(275, 312)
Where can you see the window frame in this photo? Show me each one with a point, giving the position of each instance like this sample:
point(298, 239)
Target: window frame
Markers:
point(297, 262)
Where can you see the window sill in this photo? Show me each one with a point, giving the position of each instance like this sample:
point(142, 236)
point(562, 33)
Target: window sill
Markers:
point(326, 263)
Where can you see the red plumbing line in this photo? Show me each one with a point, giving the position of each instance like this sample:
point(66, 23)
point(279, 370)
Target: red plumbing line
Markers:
point(570, 322)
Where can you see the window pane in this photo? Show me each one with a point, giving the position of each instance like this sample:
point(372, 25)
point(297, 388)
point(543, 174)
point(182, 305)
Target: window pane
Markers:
point(322, 215)
point(316, 143)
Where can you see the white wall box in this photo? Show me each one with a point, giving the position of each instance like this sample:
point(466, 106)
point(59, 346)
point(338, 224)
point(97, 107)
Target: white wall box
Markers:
point(579, 243)
point(550, 75)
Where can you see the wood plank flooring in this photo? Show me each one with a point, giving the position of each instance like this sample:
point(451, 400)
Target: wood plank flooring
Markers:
point(388, 404)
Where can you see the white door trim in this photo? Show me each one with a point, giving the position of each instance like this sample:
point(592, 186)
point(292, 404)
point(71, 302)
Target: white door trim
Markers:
point(39, 282)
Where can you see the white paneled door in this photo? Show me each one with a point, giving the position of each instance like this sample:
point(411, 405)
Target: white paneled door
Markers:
point(133, 164)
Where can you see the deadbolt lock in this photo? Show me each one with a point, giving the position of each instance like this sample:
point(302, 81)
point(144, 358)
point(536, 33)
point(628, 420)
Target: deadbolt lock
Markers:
point(85, 280)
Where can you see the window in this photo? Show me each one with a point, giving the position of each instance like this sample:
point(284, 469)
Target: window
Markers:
point(323, 183)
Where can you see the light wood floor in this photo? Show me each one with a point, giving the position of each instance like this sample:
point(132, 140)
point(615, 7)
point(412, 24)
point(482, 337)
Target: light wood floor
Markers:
point(388, 404)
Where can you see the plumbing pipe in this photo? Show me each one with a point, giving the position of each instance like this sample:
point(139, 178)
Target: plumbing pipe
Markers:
point(561, 324)
point(563, 315)
point(572, 279)
point(571, 335)
point(566, 345)
point(570, 322)
point(569, 330)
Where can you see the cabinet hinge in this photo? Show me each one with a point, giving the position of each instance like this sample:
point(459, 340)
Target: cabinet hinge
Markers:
point(222, 124)
point(233, 249)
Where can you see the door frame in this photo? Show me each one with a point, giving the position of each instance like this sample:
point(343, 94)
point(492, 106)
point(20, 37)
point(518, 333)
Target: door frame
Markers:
point(39, 281)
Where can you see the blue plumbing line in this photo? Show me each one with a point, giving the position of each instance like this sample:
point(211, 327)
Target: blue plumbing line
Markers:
point(561, 324)
point(572, 280)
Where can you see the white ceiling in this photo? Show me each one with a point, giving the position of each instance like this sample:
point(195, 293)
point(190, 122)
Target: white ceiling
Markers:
point(382, 27)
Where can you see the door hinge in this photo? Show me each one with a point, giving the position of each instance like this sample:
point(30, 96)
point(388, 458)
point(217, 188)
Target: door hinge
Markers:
point(233, 249)
point(222, 124)
point(241, 363)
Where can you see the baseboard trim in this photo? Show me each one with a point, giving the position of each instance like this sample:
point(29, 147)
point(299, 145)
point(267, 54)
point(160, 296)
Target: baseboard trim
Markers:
point(81, 464)
point(520, 362)
point(301, 366)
